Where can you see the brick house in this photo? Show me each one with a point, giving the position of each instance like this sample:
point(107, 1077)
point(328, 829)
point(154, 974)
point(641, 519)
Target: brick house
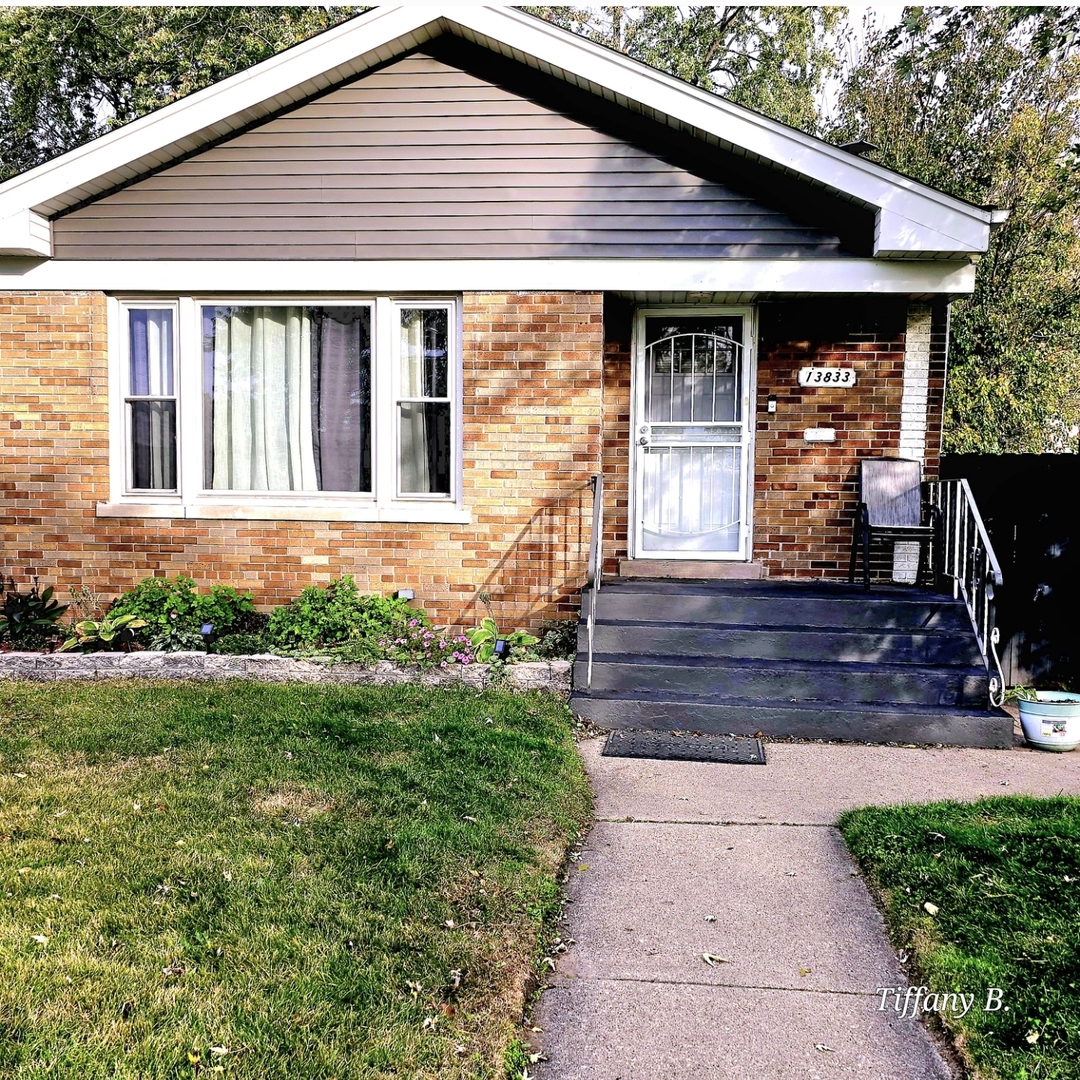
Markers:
point(384, 304)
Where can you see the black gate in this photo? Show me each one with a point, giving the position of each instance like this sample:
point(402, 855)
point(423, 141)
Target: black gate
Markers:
point(1030, 504)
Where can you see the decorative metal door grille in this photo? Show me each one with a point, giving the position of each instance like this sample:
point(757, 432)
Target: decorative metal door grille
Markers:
point(691, 438)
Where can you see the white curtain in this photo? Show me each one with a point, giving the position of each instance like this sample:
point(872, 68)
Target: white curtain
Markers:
point(262, 438)
point(415, 474)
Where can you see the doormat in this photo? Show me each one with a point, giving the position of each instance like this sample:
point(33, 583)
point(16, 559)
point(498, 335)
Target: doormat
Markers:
point(685, 746)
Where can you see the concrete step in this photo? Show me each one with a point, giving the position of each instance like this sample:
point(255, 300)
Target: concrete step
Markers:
point(900, 646)
point(750, 679)
point(865, 722)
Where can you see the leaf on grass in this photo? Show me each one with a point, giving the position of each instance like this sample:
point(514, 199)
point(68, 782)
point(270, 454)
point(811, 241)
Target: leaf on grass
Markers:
point(582, 867)
point(449, 924)
point(469, 817)
point(220, 1051)
point(711, 959)
point(931, 909)
point(430, 1022)
point(1032, 1037)
point(41, 939)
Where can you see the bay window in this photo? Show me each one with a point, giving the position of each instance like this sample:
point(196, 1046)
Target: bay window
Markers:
point(342, 409)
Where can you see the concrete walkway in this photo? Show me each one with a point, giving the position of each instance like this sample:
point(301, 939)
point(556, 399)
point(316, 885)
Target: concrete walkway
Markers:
point(742, 862)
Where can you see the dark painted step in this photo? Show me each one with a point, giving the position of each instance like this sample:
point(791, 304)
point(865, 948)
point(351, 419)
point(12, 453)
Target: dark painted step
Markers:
point(835, 681)
point(783, 643)
point(805, 720)
point(717, 607)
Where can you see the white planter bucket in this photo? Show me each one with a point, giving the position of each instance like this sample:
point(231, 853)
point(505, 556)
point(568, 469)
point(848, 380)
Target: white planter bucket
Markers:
point(1053, 721)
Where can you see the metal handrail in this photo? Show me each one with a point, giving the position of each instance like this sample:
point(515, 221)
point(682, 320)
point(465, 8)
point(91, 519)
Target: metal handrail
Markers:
point(596, 561)
point(964, 553)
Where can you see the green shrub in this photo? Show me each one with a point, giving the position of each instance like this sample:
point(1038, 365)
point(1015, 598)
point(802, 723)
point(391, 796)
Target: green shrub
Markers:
point(558, 639)
point(28, 620)
point(174, 612)
point(339, 619)
point(243, 643)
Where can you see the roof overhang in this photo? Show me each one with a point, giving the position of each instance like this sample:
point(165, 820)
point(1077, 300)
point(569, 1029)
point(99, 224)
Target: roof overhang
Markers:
point(751, 278)
point(913, 221)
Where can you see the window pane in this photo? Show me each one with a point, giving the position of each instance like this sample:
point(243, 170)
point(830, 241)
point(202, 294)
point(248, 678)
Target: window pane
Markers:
point(153, 445)
point(150, 337)
point(424, 352)
point(425, 447)
point(287, 398)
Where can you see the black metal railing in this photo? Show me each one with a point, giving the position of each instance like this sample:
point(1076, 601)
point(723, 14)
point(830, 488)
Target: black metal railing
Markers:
point(596, 562)
point(963, 552)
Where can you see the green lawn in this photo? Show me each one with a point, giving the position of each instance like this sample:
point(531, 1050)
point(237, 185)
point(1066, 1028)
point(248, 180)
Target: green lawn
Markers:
point(256, 881)
point(1004, 874)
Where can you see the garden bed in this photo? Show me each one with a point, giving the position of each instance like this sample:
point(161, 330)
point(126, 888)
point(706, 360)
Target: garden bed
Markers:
point(553, 675)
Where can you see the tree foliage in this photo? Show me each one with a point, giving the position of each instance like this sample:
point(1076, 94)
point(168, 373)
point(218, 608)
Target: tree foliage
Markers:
point(68, 74)
point(773, 59)
point(983, 103)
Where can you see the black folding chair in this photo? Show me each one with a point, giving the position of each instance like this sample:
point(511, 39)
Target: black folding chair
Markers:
point(890, 507)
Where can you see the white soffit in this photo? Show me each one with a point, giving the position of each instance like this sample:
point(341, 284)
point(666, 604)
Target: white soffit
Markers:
point(913, 221)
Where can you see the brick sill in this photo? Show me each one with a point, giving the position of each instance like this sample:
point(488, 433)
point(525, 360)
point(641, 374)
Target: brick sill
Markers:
point(419, 512)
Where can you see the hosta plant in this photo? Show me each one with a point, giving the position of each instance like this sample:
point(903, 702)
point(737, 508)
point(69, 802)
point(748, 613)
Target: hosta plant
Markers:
point(104, 634)
point(484, 637)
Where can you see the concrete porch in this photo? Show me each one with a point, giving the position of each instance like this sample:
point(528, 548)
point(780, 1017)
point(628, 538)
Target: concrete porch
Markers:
point(817, 660)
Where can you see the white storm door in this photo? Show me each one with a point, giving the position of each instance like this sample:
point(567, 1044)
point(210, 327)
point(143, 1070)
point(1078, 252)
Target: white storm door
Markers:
point(692, 443)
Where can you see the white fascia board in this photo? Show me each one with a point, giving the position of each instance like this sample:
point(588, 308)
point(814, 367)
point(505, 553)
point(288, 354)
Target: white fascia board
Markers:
point(761, 276)
point(933, 221)
point(26, 233)
point(337, 54)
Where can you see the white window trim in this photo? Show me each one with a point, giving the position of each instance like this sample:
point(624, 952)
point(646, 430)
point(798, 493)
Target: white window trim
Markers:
point(191, 500)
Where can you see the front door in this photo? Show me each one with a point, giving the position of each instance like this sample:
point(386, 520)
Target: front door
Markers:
point(691, 434)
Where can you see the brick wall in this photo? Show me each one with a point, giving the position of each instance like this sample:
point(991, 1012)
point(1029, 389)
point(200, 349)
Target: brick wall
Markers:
point(804, 494)
point(532, 421)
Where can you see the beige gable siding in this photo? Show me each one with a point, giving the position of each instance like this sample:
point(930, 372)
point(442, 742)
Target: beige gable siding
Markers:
point(422, 160)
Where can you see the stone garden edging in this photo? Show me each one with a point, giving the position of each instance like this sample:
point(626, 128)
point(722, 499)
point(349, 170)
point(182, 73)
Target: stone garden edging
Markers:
point(553, 675)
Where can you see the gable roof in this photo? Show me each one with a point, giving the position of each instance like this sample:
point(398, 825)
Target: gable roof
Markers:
point(912, 221)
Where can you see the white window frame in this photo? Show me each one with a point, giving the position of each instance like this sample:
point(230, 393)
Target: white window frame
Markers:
point(192, 500)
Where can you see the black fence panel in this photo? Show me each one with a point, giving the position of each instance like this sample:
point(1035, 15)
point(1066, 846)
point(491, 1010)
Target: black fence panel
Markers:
point(1030, 504)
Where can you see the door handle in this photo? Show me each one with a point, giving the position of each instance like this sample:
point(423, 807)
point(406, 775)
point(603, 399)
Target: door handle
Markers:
point(644, 435)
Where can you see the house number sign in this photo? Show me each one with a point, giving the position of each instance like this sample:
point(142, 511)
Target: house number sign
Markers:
point(842, 377)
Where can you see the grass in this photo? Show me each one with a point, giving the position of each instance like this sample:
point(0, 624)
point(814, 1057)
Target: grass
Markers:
point(1004, 874)
point(254, 881)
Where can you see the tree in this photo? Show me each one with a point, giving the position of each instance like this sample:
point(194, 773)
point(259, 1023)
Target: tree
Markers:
point(983, 103)
point(772, 59)
point(68, 75)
